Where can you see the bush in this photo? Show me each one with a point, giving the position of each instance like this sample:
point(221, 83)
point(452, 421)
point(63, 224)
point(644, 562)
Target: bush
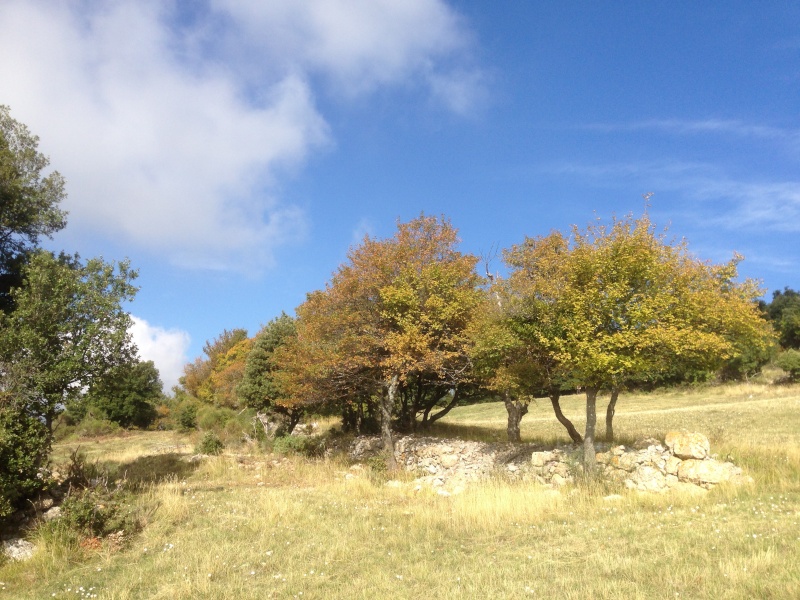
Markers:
point(789, 361)
point(24, 447)
point(214, 419)
point(187, 416)
point(94, 427)
point(298, 444)
point(209, 444)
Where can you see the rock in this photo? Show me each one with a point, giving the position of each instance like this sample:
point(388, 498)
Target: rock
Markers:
point(539, 459)
point(18, 549)
point(558, 480)
point(707, 471)
point(648, 479)
point(53, 513)
point(646, 443)
point(672, 465)
point(684, 444)
point(43, 504)
point(394, 483)
point(449, 461)
point(626, 462)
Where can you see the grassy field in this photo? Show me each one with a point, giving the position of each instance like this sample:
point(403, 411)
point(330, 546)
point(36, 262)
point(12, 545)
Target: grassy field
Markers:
point(250, 524)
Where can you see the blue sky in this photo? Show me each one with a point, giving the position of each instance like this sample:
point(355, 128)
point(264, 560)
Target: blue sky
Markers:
point(235, 149)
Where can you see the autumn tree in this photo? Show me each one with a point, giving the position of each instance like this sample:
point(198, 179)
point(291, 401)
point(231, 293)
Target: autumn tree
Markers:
point(393, 317)
point(214, 379)
point(626, 306)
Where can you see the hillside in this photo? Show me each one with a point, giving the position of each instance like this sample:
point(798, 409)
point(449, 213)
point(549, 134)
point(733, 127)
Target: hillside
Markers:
point(253, 524)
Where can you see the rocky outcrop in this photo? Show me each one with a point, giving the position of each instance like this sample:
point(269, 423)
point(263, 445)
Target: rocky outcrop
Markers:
point(682, 462)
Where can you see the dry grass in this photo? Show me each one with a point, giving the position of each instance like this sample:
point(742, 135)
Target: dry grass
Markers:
point(259, 526)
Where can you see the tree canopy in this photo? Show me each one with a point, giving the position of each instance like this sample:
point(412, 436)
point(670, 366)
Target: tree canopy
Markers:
point(620, 305)
point(29, 199)
point(393, 322)
point(68, 327)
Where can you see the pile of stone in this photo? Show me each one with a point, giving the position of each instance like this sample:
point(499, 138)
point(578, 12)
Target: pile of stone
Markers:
point(682, 462)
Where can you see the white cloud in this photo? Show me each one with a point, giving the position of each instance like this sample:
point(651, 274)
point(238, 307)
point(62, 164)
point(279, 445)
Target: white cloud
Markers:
point(356, 44)
point(174, 130)
point(167, 348)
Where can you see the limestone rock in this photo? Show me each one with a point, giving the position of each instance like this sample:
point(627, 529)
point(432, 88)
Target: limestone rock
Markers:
point(707, 471)
point(52, 513)
point(539, 459)
point(672, 465)
point(18, 549)
point(684, 444)
point(449, 460)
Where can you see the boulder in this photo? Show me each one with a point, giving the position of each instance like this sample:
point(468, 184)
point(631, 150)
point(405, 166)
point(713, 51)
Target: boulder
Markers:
point(540, 459)
point(703, 472)
point(18, 549)
point(684, 444)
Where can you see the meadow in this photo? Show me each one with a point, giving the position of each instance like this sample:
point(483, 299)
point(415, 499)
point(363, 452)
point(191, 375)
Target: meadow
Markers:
point(253, 524)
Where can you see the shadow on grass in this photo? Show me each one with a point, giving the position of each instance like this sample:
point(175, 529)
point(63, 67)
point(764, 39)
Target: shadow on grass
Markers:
point(147, 470)
point(475, 433)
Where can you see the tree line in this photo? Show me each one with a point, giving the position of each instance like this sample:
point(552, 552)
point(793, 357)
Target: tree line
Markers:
point(407, 328)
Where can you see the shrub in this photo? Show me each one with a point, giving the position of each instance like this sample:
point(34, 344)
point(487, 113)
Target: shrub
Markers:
point(94, 427)
point(24, 447)
point(187, 416)
point(209, 444)
point(298, 444)
point(215, 419)
point(789, 361)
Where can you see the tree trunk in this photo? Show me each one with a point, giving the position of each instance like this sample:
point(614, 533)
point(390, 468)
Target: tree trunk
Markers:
point(516, 410)
point(450, 405)
point(573, 433)
point(387, 405)
point(589, 458)
point(610, 415)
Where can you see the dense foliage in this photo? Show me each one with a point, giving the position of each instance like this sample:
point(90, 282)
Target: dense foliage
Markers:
point(63, 328)
point(127, 394)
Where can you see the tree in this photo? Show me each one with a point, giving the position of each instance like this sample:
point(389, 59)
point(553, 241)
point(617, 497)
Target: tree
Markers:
point(784, 313)
point(259, 387)
point(29, 200)
point(623, 306)
point(127, 394)
point(68, 328)
point(394, 316)
point(789, 361)
point(214, 379)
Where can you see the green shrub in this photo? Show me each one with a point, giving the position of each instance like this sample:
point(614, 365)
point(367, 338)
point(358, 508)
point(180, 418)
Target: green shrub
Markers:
point(187, 416)
point(298, 444)
point(789, 361)
point(213, 418)
point(24, 447)
point(209, 444)
point(95, 427)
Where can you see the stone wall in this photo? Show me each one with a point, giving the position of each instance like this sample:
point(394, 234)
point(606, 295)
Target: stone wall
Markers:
point(682, 461)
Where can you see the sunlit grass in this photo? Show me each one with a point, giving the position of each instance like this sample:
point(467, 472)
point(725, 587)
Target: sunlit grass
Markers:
point(250, 525)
